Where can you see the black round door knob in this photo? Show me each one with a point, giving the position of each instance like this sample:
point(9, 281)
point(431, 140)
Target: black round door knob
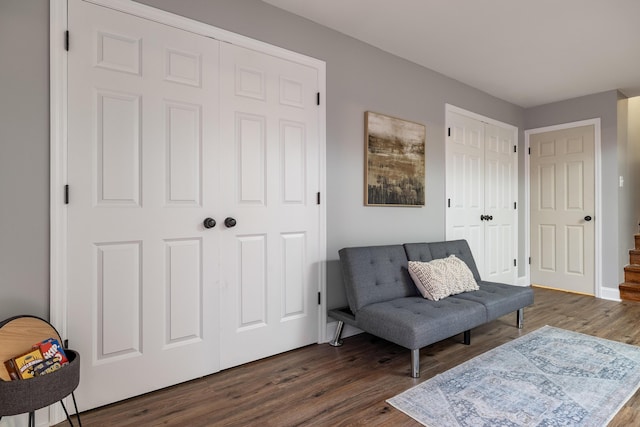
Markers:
point(229, 222)
point(587, 218)
point(209, 223)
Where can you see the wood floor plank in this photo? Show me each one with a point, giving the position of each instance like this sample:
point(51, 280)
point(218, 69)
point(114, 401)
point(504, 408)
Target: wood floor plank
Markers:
point(320, 385)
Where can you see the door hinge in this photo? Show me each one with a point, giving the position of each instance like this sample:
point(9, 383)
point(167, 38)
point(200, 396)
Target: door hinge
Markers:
point(66, 40)
point(448, 131)
point(515, 205)
point(318, 198)
point(448, 203)
point(529, 260)
point(318, 98)
point(515, 264)
point(319, 298)
point(66, 194)
point(529, 150)
point(515, 149)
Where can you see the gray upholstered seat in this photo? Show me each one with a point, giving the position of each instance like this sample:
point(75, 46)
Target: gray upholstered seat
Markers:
point(415, 322)
point(384, 301)
point(499, 298)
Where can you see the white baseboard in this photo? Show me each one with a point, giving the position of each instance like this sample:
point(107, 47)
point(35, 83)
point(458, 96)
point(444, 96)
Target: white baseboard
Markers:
point(22, 420)
point(610, 294)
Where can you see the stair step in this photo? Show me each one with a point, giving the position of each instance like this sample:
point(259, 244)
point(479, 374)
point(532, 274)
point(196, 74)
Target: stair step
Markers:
point(634, 256)
point(632, 273)
point(629, 291)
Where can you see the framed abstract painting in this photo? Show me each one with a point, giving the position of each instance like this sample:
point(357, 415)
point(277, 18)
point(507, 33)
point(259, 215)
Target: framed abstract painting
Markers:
point(394, 161)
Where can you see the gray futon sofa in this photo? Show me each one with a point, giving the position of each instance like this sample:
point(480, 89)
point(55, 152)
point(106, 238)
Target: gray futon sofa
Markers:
point(384, 301)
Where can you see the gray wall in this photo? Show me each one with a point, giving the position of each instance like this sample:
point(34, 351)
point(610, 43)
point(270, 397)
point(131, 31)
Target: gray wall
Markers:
point(605, 106)
point(359, 78)
point(24, 158)
point(629, 169)
point(626, 214)
point(632, 181)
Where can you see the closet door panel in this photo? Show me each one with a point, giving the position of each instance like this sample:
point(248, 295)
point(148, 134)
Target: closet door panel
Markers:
point(499, 204)
point(270, 144)
point(464, 184)
point(481, 188)
point(142, 291)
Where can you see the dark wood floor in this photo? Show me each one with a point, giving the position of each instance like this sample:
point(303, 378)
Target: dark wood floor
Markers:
point(320, 385)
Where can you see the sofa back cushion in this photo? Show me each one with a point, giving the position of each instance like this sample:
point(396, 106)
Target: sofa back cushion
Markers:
point(429, 251)
point(375, 274)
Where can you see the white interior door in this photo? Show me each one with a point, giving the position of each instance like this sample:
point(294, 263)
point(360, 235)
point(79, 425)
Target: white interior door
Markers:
point(465, 184)
point(142, 170)
point(481, 187)
point(500, 180)
point(270, 149)
point(562, 209)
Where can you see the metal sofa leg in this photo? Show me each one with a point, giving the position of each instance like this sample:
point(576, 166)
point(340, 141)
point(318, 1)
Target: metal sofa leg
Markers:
point(415, 363)
point(336, 341)
point(467, 337)
point(520, 318)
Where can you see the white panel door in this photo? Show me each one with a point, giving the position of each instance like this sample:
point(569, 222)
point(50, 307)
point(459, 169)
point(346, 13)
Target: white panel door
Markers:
point(269, 152)
point(142, 170)
point(499, 197)
point(562, 209)
point(465, 184)
point(481, 188)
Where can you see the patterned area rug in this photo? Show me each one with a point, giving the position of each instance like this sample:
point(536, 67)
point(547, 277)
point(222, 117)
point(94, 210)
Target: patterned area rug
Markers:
point(549, 377)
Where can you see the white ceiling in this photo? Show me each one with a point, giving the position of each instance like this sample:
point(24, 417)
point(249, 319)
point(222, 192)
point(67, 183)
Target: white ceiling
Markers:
point(528, 52)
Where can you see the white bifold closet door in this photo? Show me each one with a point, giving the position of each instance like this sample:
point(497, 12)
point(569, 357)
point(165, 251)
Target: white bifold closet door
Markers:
point(165, 129)
point(481, 191)
point(269, 262)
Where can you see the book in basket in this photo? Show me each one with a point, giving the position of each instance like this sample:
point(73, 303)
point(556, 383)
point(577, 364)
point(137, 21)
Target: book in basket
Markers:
point(51, 349)
point(23, 365)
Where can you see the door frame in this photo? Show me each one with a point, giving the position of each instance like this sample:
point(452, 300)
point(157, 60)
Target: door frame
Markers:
point(58, 141)
point(598, 289)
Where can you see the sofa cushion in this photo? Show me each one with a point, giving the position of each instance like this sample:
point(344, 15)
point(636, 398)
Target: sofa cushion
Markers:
point(416, 322)
point(499, 299)
point(435, 250)
point(375, 273)
point(440, 278)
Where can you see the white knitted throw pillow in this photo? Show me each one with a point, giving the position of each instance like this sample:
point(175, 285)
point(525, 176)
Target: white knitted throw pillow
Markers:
point(440, 278)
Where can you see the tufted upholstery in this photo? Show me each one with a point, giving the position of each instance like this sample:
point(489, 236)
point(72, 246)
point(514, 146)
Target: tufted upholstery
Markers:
point(498, 298)
point(385, 302)
point(436, 250)
point(374, 274)
point(416, 322)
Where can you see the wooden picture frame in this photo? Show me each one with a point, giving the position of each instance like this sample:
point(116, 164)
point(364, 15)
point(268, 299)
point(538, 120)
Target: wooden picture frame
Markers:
point(394, 161)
